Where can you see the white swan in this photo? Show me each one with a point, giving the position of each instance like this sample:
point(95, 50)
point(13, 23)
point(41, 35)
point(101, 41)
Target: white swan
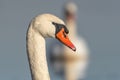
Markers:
point(41, 27)
point(76, 62)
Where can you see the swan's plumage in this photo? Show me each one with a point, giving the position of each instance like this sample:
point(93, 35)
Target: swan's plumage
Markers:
point(40, 28)
point(43, 24)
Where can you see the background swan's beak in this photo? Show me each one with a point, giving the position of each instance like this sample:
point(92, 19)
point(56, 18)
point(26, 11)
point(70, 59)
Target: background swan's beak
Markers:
point(62, 37)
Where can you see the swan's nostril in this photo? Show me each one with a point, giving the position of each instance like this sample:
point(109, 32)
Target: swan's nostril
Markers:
point(64, 34)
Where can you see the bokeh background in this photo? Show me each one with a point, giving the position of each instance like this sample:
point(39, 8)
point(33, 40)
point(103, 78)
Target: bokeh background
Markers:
point(98, 23)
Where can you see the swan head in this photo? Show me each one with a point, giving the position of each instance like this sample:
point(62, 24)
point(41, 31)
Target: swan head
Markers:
point(70, 10)
point(51, 26)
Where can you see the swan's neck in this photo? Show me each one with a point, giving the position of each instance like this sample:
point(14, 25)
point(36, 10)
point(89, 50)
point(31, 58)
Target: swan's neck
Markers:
point(37, 55)
point(71, 25)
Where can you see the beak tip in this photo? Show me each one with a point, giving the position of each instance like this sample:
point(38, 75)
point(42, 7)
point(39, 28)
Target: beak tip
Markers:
point(74, 49)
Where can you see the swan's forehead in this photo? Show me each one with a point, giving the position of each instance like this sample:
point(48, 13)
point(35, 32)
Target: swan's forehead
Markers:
point(53, 18)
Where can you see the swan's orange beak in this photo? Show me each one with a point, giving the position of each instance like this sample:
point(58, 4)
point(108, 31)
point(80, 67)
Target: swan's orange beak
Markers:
point(62, 37)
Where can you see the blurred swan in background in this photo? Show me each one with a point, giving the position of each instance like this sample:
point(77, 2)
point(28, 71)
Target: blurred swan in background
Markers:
point(75, 62)
point(41, 27)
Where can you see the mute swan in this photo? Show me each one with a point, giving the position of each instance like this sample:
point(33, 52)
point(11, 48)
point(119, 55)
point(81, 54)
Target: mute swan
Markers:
point(41, 27)
point(75, 64)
